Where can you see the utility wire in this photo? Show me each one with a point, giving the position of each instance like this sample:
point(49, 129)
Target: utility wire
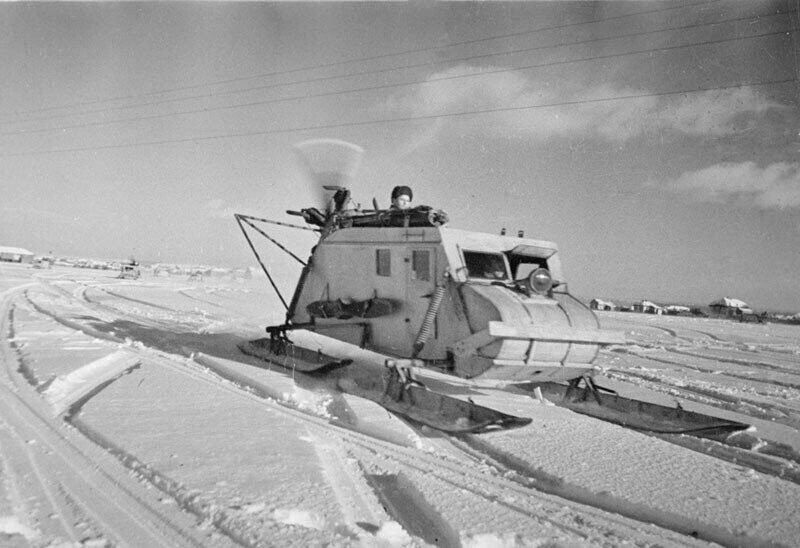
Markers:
point(425, 81)
point(334, 77)
point(348, 61)
point(394, 120)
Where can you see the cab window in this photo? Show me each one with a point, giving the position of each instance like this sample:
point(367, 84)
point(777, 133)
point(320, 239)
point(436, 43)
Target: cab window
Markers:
point(490, 266)
point(421, 265)
point(383, 262)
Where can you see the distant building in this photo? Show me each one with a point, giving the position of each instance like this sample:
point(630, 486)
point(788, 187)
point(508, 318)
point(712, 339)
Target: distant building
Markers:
point(728, 307)
point(15, 255)
point(648, 307)
point(675, 309)
point(598, 304)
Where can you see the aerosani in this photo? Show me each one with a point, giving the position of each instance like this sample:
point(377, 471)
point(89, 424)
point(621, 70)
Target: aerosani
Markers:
point(399, 282)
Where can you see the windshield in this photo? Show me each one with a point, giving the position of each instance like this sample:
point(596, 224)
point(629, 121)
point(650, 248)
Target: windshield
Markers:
point(490, 266)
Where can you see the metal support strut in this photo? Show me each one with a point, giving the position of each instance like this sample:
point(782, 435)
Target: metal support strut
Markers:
point(589, 388)
point(399, 381)
point(248, 220)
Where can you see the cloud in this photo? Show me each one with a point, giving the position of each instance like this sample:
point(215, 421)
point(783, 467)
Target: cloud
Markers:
point(577, 109)
point(469, 89)
point(776, 186)
point(713, 112)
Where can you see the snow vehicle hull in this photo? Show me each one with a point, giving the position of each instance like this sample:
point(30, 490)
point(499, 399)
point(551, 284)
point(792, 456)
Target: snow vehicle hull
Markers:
point(422, 294)
point(389, 386)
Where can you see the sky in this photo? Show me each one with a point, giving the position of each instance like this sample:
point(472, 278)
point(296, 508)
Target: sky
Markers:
point(655, 142)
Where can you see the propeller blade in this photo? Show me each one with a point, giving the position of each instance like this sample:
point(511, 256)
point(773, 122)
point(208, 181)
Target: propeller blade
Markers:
point(330, 165)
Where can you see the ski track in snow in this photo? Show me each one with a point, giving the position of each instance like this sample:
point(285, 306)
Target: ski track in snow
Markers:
point(130, 386)
point(61, 488)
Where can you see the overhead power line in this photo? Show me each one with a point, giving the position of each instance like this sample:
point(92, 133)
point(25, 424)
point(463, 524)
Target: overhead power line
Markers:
point(306, 96)
point(358, 60)
point(338, 125)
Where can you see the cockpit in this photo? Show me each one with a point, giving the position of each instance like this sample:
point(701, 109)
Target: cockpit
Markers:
point(486, 266)
point(525, 267)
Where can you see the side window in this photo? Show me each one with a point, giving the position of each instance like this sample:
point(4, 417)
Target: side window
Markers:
point(383, 262)
point(485, 265)
point(421, 265)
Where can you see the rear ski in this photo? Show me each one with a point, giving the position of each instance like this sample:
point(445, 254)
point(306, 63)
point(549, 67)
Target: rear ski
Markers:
point(289, 355)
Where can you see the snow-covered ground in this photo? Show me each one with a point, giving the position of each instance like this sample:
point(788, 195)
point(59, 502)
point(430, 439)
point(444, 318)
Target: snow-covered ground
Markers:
point(128, 417)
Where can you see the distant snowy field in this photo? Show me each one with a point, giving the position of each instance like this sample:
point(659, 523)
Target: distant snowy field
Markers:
point(128, 417)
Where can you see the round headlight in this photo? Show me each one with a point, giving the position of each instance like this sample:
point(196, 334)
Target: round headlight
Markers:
point(540, 281)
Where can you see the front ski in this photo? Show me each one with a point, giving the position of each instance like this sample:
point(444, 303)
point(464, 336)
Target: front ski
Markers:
point(395, 390)
point(606, 404)
point(391, 387)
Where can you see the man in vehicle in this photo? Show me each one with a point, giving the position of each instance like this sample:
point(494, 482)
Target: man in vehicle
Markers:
point(402, 214)
point(401, 197)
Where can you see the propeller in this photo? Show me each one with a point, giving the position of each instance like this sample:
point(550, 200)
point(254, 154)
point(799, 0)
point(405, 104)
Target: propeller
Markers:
point(330, 165)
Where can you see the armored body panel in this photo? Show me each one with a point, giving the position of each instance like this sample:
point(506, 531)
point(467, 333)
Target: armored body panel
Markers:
point(375, 282)
point(448, 297)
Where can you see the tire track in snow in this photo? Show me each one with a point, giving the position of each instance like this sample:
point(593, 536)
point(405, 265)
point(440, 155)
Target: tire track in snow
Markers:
point(673, 332)
point(711, 357)
point(185, 293)
point(789, 369)
point(752, 407)
point(202, 318)
point(114, 310)
point(529, 476)
point(78, 297)
point(128, 298)
point(794, 372)
point(15, 449)
point(187, 499)
point(758, 409)
point(406, 503)
point(84, 479)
